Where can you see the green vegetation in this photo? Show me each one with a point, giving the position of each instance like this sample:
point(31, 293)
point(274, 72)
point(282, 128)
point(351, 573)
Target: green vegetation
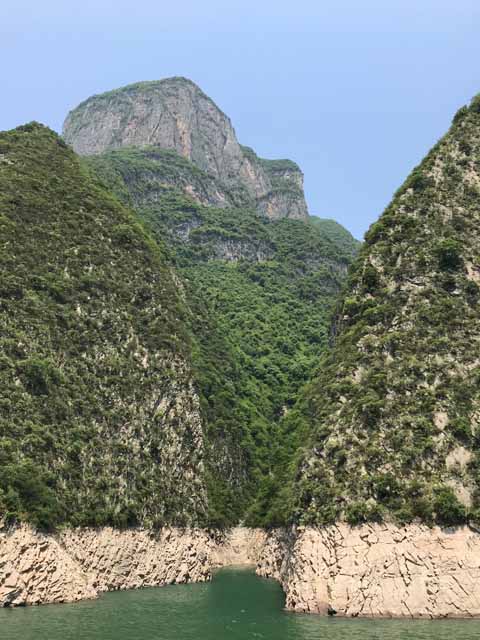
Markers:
point(337, 234)
point(194, 337)
point(392, 414)
point(268, 289)
point(153, 166)
point(104, 345)
point(92, 334)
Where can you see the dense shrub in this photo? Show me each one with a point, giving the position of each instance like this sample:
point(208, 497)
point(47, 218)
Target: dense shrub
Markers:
point(448, 252)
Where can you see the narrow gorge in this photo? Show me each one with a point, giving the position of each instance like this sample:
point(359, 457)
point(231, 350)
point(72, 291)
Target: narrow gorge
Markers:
point(197, 373)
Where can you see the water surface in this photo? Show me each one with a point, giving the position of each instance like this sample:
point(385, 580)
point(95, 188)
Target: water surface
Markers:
point(236, 605)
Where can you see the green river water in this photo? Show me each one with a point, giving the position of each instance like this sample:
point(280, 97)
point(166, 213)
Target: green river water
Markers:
point(236, 605)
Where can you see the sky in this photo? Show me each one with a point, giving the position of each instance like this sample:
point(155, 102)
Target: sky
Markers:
point(356, 92)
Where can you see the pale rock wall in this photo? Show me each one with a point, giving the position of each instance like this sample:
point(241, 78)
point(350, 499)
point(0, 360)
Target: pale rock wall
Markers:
point(239, 546)
point(369, 571)
point(283, 204)
point(137, 558)
point(175, 114)
point(377, 570)
point(78, 564)
point(36, 568)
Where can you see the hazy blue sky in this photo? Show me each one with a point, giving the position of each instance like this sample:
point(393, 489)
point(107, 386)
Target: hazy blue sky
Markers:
point(355, 91)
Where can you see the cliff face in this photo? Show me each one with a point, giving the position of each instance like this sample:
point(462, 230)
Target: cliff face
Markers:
point(78, 564)
point(376, 570)
point(100, 418)
point(175, 114)
point(372, 570)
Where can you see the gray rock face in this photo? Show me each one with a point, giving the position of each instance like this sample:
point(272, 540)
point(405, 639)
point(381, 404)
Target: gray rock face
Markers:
point(175, 114)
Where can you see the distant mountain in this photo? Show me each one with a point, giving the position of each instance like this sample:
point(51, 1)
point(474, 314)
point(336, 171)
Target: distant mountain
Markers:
point(175, 114)
point(337, 234)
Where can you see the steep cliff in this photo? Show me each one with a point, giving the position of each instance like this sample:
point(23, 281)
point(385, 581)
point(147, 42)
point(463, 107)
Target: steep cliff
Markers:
point(100, 418)
point(77, 564)
point(376, 570)
point(175, 114)
point(394, 412)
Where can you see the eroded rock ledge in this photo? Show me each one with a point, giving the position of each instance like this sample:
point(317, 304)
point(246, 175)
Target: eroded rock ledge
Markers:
point(377, 570)
point(78, 564)
point(373, 570)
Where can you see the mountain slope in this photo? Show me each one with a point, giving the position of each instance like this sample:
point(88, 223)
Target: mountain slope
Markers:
point(267, 287)
point(100, 421)
point(175, 114)
point(394, 411)
point(337, 234)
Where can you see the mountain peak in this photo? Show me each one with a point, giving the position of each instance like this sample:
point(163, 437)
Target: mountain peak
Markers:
point(176, 114)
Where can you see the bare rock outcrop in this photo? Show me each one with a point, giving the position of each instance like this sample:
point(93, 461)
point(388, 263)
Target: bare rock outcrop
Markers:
point(136, 558)
point(377, 570)
point(77, 564)
point(175, 114)
point(36, 568)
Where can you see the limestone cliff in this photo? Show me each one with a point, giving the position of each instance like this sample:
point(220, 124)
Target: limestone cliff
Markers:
point(368, 571)
point(76, 564)
point(377, 570)
point(175, 114)
point(36, 568)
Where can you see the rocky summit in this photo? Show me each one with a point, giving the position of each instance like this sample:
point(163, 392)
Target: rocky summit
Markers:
point(175, 114)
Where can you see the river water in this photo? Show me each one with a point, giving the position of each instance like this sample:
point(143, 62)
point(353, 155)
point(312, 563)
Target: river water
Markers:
point(236, 605)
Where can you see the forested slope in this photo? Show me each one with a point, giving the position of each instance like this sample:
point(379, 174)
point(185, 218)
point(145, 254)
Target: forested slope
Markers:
point(100, 420)
point(394, 411)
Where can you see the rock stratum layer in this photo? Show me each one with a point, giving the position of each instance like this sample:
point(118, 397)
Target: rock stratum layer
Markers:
point(368, 571)
point(175, 114)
